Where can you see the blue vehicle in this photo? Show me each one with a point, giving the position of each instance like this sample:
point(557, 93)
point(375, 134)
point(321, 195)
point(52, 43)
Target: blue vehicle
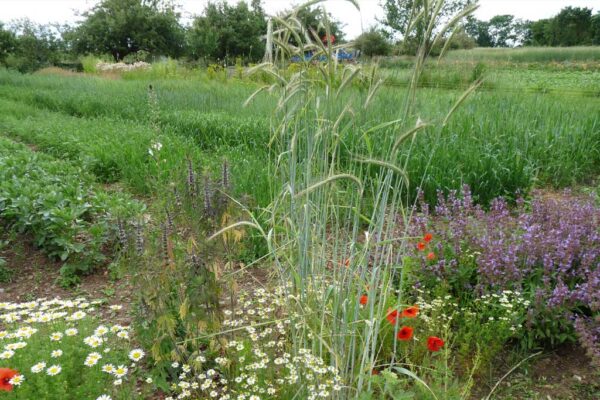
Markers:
point(342, 55)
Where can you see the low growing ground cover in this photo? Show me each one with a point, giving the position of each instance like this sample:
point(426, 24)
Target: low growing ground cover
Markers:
point(59, 206)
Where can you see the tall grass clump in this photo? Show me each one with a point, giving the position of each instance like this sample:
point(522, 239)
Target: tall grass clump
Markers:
point(329, 229)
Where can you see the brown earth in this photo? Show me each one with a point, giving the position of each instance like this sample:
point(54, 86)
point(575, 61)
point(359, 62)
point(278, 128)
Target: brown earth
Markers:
point(33, 275)
point(561, 374)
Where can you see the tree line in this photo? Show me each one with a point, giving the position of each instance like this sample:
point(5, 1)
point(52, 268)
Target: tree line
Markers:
point(146, 29)
point(572, 26)
point(131, 30)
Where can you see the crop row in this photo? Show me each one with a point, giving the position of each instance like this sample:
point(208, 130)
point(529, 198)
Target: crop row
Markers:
point(60, 207)
point(498, 143)
point(116, 150)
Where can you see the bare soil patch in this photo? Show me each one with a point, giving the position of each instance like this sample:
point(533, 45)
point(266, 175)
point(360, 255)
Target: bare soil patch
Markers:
point(34, 276)
point(562, 374)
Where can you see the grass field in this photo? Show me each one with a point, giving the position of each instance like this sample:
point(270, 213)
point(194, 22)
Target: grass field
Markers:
point(334, 237)
point(494, 156)
point(528, 54)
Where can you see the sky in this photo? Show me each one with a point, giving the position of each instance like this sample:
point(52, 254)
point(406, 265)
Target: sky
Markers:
point(45, 11)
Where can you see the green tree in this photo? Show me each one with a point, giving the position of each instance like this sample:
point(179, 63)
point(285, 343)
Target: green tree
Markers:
point(228, 31)
point(506, 30)
point(122, 27)
point(372, 43)
point(573, 27)
point(536, 32)
point(595, 29)
point(499, 31)
point(312, 19)
point(399, 14)
point(34, 46)
point(8, 43)
point(480, 31)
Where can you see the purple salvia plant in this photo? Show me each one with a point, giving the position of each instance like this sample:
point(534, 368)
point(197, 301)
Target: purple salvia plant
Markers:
point(139, 238)
point(225, 175)
point(208, 194)
point(123, 237)
point(178, 202)
point(165, 243)
point(191, 181)
point(169, 221)
point(549, 246)
point(588, 330)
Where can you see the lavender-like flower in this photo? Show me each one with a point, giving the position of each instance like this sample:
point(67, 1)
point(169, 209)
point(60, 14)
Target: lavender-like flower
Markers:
point(208, 194)
point(139, 238)
point(169, 221)
point(123, 237)
point(165, 243)
point(225, 175)
point(178, 201)
point(549, 246)
point(191, 181)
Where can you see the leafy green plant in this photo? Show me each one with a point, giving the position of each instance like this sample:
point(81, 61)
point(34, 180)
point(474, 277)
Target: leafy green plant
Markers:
point(58, 205)
point(6, 273)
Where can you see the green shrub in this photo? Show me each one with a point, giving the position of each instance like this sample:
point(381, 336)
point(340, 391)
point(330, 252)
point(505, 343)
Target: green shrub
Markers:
point(6, 273)
point(59, 206)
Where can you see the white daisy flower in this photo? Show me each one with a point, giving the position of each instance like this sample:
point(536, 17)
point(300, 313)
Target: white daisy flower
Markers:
point(17, 380)
point(92, 359)
point(120, 371)
point(123, 335)
point(101, 331)
point(71, 332)
point(39, 367)
point(108, 368)
point(6, 354)
point(93, 341)
point(54, 370)
point(56, 336)
point(77, 316)
point(136, 355)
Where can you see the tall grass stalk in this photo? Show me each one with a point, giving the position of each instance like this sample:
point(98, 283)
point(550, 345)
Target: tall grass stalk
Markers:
point(331, 229)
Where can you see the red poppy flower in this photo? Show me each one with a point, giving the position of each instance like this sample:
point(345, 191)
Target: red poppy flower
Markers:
point(431, 256)
point(410, 312)
point(434, 343)
point(363, 299)
point(392, 316)
point(427, 238)
point(405, 333)
point(6, 374)
point(421, 246)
